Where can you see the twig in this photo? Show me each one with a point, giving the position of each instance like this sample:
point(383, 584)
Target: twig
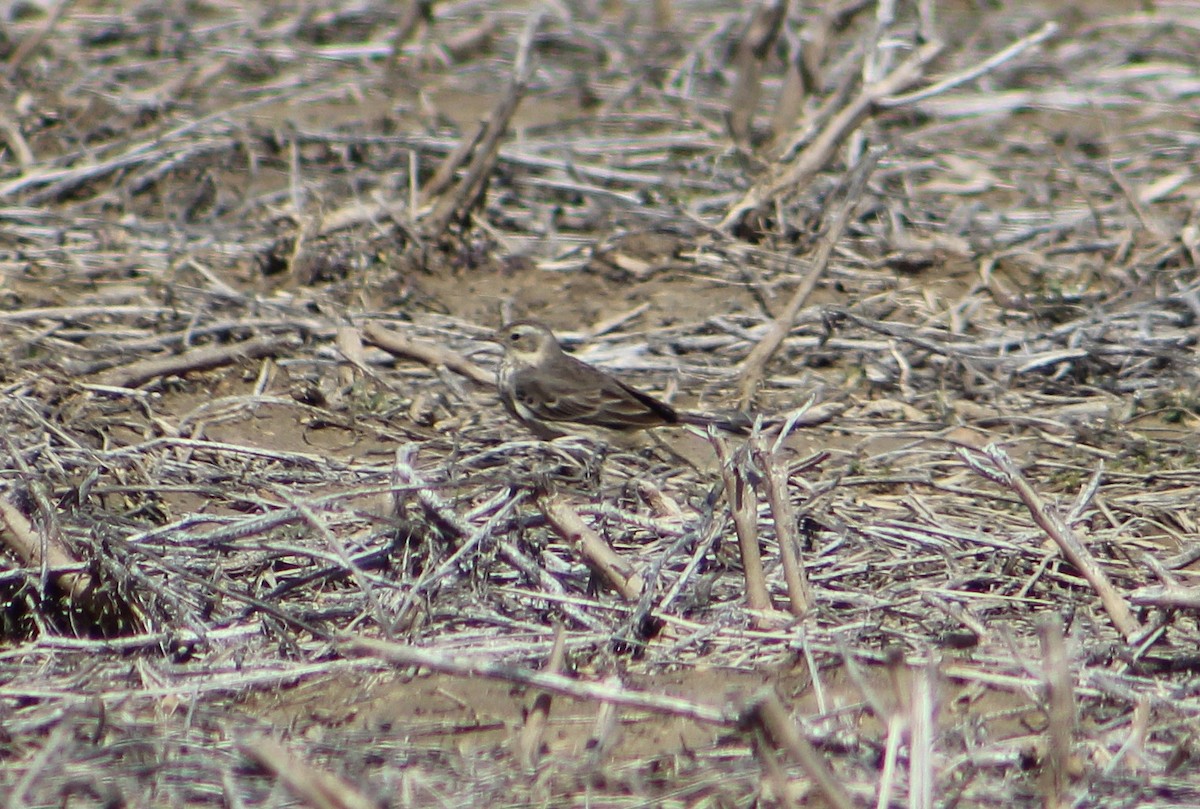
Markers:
point(428, 353)
point(18, 534)
point(821, 150)
point(755, 363)
point(784, 518)
point(768, 713)
point(1133, 751)
point(1171, 594)
point(529, 741)
point(476, 666)
point(975, 71)
point(752, 51)
point(199, 359)
point(458, 202)
point(764, 751)
point(15, 140)
point(458, 530)
point(508, 500)
point(923, 730)
point(416, 12)
point(605, 727)
point(55, 182)
point(38, 764)
point(895, 724)
point(314, 786)
point(32, 43)
point(349, 344)
point(743, 504)
point(995, 465)
point(336, 545)
point(443, 177)
point(708, 532)
point(1060, 712)
point(1167, 597)
point(591, 548)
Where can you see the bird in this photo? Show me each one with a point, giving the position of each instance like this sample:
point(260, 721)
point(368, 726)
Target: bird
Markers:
point(554, 394)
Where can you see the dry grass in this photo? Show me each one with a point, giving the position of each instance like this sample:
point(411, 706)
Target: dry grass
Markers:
point(254, 559)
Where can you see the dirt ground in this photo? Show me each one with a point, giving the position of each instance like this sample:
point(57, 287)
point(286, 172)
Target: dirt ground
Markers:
point(268, 539)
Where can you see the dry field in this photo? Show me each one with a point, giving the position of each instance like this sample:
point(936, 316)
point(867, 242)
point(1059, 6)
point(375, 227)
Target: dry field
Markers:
point(267, 539)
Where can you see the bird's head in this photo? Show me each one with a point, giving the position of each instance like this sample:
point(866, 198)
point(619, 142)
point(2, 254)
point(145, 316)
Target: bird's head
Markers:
point(527, 341)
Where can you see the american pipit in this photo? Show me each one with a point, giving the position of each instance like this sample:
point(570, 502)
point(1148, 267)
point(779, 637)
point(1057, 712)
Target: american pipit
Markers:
point(554, 394)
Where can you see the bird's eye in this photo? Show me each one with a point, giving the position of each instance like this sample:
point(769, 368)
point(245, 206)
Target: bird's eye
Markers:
point(515, 337)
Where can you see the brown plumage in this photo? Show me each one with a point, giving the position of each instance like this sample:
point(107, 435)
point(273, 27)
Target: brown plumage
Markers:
point(554, 394)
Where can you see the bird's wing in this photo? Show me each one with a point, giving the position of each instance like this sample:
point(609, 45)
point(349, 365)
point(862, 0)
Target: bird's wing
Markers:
point(591, 397)
point(551, 400)
point(630, 407)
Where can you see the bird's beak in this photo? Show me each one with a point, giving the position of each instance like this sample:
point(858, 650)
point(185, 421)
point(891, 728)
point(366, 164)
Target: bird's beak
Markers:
point(488, 346)
point(492, 341)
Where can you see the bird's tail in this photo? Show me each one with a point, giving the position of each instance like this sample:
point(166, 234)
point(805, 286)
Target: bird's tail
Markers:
point(736, 423)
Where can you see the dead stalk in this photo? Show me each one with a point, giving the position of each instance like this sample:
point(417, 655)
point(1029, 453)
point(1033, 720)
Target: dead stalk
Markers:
point(995, 465)
point(768, 713)
point(753, 367)
point(315, 786)
point(592, 548)
point(198, 359)
point(743, 504)
point(796, 176)
point(430, 354)
point(752, 51)
point(478, 666)
point(43, 552)
point(529, 741)
point(458, 202)
point(1060, 713)
point(786, 533)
